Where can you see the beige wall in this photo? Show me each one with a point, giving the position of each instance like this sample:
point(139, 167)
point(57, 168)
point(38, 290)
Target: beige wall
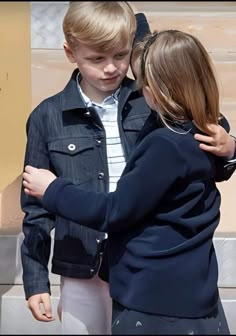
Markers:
point(15, 102)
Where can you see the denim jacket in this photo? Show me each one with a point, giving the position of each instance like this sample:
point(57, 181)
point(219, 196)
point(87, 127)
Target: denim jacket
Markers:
point(67, 138)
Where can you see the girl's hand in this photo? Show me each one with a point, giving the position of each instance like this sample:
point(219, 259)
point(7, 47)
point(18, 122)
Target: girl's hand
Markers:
point(220, 143)
point(36, 181)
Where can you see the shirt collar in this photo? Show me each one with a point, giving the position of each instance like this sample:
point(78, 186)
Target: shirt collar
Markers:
point(108, 100)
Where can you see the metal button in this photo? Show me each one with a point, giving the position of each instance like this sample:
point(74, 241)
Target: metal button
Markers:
point(101, 176)
point(71, 147)
point(98, 241)
point(230, 167)
point(87, 114)
point(91, 270)
point(98, 142)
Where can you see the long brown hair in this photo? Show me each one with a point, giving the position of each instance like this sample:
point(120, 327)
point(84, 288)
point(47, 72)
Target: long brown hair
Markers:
point(179, 72)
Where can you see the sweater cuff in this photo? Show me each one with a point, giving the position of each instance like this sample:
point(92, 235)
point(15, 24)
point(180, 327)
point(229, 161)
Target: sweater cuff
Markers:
point(49, 200)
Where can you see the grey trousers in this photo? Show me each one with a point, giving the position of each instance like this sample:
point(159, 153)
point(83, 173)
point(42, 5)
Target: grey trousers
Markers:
point(85, 307)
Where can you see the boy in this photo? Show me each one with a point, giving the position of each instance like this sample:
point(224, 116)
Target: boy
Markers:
point(77, 133)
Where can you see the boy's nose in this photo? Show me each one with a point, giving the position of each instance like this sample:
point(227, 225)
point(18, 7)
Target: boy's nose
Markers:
point(110, 68)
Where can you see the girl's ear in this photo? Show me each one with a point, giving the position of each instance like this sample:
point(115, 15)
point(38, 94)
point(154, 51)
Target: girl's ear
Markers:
point(149, 97)
point(69, 53)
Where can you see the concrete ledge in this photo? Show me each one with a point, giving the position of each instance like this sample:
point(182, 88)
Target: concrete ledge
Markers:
point(11, 269)
point(15, 317)
point(225, 246)
point(228, 297)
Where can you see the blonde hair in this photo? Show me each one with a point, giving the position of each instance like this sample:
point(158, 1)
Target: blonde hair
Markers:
point(179, 72)
point(99, 24)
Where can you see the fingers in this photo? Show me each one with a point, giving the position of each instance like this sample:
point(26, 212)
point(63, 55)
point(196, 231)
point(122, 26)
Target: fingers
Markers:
point(209, 149)
point(28, 191)
point(47, 306)
point(26, 186)
point(204, 138)
point(219, 143)
point(29, 169)
point(36, 302)
point(25, 182)
point(26, 178)
point(48, 309)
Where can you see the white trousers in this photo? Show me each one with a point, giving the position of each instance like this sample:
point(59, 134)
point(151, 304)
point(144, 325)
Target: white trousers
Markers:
point(85, 306)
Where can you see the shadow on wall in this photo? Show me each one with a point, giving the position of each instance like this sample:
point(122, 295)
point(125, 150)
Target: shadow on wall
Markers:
point(10, 240)
point(11, 214)
point(50, 72)
point(11, 235)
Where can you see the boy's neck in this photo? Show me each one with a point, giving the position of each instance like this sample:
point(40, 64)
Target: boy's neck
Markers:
point(97, 96)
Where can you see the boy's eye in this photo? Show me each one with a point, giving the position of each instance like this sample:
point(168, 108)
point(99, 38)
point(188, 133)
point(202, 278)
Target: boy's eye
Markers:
point(120, 56)
point(97, 59)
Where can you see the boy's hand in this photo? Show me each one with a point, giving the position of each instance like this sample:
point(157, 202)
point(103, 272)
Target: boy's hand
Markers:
point(40, 307)
point(220, 143)
point(36, 181)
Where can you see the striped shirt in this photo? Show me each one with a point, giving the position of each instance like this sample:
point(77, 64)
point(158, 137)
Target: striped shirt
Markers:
point(107, 111)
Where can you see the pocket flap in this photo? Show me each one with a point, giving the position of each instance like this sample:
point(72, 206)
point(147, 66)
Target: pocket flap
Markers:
point(71, 146)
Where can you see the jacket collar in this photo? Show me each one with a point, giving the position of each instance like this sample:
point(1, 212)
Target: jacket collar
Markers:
point(71, 98)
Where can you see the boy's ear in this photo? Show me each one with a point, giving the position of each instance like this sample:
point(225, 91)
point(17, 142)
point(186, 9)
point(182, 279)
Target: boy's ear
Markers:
point(69, 53)
point(149, 97)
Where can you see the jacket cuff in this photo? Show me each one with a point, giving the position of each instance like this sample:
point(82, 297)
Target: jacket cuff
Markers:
point(233, 159)
point(36, 288)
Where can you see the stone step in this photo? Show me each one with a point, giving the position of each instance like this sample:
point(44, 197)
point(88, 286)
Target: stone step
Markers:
point(228, 196)
point(225, 246)
point(15, 317)
point(228, 297)
point(11, 269)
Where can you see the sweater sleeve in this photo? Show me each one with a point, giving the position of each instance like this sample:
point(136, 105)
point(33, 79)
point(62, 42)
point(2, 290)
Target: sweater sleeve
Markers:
point(155, 166)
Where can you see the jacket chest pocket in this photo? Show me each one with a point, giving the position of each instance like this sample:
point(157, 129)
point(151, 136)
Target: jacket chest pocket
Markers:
point(73, 157)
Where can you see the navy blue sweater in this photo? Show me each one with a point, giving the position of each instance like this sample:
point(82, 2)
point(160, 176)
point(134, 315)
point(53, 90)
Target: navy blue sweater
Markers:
point(160, 223)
